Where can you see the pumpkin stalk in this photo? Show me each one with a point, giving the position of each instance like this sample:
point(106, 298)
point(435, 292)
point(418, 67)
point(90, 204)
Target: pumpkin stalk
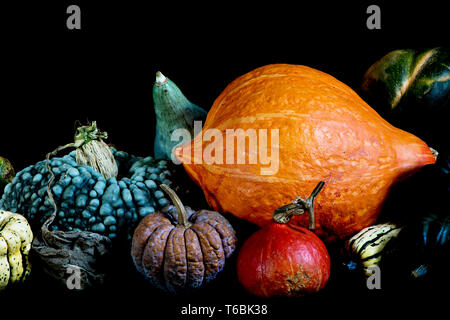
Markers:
point(435, 153)
point(181, 210)
point(92, 151)
point(298, 207)
point(160, 79)
point(45, 227)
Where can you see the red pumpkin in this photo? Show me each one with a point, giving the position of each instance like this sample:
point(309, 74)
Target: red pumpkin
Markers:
point(283, 259)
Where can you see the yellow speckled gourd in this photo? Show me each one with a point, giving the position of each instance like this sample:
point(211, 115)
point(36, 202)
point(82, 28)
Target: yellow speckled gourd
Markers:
point(15, 244)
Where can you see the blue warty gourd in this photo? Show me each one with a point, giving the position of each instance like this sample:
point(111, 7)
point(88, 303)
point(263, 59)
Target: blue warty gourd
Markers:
point(85, 200)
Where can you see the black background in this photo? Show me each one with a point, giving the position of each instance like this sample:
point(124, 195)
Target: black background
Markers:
point(53, 77)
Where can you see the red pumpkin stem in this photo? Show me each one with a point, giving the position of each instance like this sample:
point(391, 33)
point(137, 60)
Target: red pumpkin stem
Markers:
point(298, 207)
point(182, 214)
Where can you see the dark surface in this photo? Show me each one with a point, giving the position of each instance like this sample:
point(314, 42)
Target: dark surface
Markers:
point(104, 72)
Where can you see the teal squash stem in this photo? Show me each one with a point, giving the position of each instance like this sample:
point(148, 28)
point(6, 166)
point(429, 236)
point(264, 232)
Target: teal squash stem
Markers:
point(173, 111)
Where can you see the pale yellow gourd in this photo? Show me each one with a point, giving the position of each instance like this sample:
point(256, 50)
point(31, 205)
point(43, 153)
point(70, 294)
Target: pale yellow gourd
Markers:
point(15, 244)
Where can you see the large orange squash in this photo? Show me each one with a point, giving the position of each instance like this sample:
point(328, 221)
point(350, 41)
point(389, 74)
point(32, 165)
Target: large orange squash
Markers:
point(325, 132)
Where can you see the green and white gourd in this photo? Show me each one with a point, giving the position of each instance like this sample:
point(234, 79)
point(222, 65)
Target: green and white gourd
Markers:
point(411, 90)
point(173, 111)
point(367, 245)
point(408, 78)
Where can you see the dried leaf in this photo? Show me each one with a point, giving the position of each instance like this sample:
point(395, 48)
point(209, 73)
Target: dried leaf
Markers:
point(62, 250)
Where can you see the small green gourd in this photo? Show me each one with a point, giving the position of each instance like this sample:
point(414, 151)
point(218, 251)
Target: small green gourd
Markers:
point(6, 172)
point(173, 111)
point(411, 89)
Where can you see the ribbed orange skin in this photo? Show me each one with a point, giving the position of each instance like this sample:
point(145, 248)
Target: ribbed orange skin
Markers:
point(326, 132)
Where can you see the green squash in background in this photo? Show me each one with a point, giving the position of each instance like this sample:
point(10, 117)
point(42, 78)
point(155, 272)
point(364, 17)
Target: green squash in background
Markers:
point(410, 89)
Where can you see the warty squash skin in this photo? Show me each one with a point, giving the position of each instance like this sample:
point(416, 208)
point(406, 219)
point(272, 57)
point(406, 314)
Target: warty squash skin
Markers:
point(326, 132)
point(86, 200)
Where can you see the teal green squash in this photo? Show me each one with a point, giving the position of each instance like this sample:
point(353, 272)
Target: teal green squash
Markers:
point(173, 111)
point(410, 88)
point(6, 173)
point(84, 191)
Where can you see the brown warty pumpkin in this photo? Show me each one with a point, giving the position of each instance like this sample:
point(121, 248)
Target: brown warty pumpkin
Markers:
point(180, 249)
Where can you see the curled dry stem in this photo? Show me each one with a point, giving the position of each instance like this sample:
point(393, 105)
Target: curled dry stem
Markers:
point(298, 207)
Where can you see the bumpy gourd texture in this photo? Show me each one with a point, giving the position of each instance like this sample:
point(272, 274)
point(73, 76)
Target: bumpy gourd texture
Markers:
point(326, 133)
point(86, 200)
point(15, 244)
point(174, 258)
